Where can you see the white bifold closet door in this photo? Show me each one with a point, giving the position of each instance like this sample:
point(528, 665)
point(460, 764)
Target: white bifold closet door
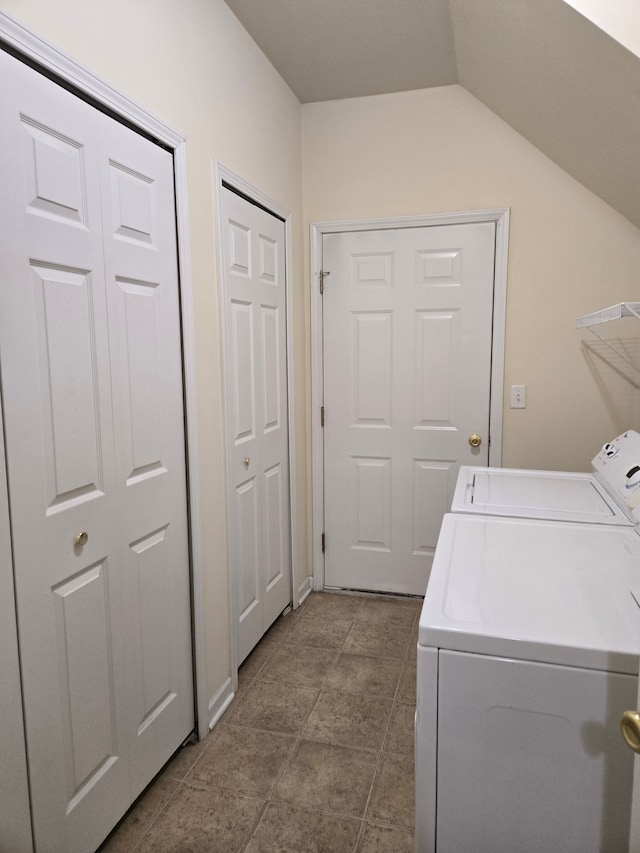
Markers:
point(257, 428)
point(93, 404)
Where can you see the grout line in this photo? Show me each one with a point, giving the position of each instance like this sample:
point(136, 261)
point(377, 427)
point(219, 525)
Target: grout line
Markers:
point(280, 642)
point(243, 846)
point(287, 762)
point(378, 762)
point(158, 816)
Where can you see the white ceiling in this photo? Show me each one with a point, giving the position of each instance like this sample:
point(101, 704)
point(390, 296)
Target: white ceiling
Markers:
point(550, 73)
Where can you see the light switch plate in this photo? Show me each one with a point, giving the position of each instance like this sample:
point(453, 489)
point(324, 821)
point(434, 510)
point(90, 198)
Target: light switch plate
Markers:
point(518, 396)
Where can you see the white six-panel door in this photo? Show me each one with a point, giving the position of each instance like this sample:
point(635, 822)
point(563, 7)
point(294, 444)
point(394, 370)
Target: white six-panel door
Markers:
point(407, 317)
point(92, 395)
point(254, 293)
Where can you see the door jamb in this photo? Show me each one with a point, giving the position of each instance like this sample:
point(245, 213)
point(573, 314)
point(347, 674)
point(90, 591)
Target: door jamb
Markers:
point(34, 50)
point(253, 194)
point(317, 230)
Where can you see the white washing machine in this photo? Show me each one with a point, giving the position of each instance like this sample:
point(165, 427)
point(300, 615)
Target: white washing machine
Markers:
point(559, 495)
point(528, 651)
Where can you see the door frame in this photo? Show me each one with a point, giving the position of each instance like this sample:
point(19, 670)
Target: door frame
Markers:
point(225, 177)
point(29, 48)
point(500, 216)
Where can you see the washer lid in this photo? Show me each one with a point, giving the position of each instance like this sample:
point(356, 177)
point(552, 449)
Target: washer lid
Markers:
point(556, 495)
point(536, 590)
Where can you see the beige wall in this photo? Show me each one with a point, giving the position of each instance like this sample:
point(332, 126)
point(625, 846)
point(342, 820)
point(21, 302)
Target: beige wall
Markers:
point(440, 150)
point(191, 64)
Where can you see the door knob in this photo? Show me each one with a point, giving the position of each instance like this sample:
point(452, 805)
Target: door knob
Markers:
point(630, 728)
point(247, 461)
point(475, 440)
point(82, 539)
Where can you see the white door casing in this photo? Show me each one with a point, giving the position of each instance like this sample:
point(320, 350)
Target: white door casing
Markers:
point(397, 302)
point(255, 322)
point(92, 390)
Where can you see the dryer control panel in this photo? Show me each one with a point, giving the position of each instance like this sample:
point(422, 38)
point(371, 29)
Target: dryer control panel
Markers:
point(617, 467)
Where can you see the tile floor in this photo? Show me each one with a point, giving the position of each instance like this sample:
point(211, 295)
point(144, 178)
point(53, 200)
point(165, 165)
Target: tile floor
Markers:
point(314, 755)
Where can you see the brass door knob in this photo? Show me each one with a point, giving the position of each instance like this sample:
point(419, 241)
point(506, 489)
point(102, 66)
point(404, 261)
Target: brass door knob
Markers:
point(475, 440)
point(247, 461)
point(630, 728)
point(82, 539)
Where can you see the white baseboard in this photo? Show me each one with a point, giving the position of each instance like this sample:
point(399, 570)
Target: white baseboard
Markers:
point(304, 589)
point(219, 703)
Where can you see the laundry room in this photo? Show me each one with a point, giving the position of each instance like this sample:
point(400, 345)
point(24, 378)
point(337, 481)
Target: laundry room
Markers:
point(507, 130)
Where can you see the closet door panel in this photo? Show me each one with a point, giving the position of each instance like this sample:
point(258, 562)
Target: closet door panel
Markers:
point(56, 384)
point(92, 394)
point(141, 275)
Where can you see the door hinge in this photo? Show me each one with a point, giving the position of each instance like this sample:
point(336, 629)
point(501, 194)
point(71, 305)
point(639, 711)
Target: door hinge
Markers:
point(321, 416)
point(323, 540)
point(322, 278)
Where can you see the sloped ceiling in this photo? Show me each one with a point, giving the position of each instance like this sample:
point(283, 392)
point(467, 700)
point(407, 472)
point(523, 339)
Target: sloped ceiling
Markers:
point(564, 84)
point(332, 49)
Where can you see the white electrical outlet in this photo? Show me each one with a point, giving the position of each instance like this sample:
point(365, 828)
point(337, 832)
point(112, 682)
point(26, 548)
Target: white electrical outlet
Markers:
point(518, 396)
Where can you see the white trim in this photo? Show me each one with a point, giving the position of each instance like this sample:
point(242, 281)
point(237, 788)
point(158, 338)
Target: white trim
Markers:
point(305, 588)
point(222, 173)
point(317, 230)
point(53, 62)
point(231, 586)
point(317, 400)
point(220, 701)
point(48, 57)
point(499, 331)
point(416, 221)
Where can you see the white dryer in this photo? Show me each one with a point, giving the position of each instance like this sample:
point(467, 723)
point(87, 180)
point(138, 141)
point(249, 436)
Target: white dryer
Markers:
point(528, 649)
